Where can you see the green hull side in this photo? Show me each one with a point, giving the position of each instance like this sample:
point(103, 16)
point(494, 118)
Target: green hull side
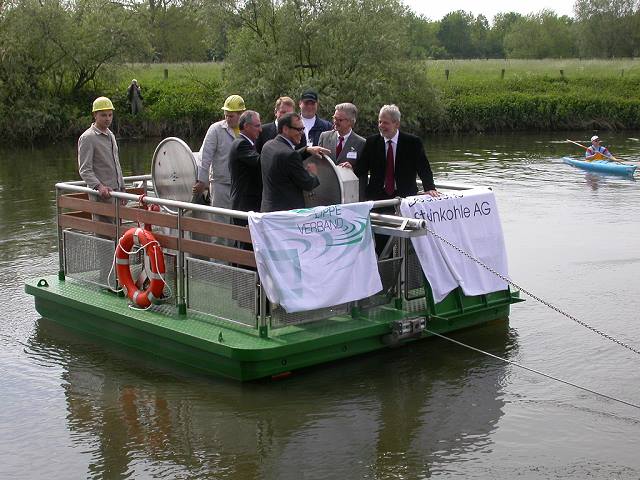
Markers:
point(220, 348)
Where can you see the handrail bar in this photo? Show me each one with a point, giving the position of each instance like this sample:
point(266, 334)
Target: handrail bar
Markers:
point(137, 178)
point(411, 223)
point(448, 186)
point(133, 178)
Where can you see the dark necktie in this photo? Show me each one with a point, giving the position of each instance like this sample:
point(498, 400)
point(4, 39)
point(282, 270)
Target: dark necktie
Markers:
point(389, 180)
point(339, 147)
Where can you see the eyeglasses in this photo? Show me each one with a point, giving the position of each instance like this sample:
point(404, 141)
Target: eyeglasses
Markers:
point(257, 125)
point(299, 129)
point(336, 119)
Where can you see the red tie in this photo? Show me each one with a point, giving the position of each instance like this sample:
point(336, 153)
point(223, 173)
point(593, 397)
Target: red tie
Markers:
point(389, 180)
point(339, 147)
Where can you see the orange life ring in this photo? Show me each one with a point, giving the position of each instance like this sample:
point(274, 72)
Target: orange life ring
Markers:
point(144, 238)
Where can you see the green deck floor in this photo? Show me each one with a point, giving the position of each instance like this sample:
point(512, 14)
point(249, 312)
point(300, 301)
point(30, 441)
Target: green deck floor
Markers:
point(220, 347)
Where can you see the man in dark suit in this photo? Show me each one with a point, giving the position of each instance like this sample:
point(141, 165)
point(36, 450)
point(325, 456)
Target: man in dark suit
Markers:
point(284, 177)
point(270, 130)
point(313, 125)
point(393, 159)
point(244, 163)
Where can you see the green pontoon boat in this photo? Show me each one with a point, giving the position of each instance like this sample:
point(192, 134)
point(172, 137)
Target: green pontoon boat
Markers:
point(215, 316)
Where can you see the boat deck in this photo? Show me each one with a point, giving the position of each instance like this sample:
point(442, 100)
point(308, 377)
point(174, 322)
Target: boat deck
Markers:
point(216, 317)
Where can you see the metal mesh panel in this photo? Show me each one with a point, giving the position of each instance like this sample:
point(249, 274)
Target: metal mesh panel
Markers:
point(414, 277)
point(225, 292)
point(170, 278)
point(89, 258)
point(389, 270)
point(280, 318)
point(416, 305)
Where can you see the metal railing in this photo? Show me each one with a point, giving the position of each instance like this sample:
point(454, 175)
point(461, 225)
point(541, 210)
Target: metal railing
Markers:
point(394, 268)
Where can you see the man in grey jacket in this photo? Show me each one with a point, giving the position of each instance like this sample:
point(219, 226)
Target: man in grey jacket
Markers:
point(98, 160)
point(345, 144)
point(213, 170)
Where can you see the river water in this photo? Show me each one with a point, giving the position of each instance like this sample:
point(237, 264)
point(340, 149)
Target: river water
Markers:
point(74, 408)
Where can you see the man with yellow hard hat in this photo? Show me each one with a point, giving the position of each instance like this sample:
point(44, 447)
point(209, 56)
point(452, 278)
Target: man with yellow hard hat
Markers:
point(213, 170)
point(98, 159)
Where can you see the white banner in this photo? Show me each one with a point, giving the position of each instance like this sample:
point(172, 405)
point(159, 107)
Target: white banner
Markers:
point(468, 219)
point(317, 257)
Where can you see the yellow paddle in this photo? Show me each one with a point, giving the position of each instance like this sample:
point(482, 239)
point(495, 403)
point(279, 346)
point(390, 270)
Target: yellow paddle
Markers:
point(599, 156)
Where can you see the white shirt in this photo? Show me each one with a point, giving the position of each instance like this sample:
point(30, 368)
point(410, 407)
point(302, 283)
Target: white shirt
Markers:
point(308, 125)
point(344, 137)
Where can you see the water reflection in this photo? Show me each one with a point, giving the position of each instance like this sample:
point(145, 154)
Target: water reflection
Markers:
point(427, 402)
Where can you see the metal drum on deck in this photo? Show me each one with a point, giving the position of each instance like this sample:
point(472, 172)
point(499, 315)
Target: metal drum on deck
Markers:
point(337, 184)
point(173, 170)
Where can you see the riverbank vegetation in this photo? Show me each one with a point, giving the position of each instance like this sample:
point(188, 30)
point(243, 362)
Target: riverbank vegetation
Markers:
point(56, 56)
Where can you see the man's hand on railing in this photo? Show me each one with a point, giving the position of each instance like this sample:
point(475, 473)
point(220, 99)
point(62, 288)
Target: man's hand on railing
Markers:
point(104, 191)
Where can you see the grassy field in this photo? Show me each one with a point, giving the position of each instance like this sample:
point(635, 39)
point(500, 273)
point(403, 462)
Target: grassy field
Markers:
point(459, 70)
point(176, 72)
point(491, 70)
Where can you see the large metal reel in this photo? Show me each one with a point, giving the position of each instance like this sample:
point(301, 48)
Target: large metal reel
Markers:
point(174, 171)
point(337, 184)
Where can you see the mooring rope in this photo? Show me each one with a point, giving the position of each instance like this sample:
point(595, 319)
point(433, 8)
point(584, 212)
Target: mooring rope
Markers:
point(511, 362)
point(535, 297)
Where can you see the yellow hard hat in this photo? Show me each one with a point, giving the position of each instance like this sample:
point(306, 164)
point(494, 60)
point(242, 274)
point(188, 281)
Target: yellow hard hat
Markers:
point(102, 103)
point(234, 103)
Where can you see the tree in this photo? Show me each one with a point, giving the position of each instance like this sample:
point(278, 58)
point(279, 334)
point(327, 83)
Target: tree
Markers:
point(608, 28)
point(51, 50)
point(502, 24)
point(349, 50)
point(455, 34)
point(423, 40)
point(479, 36)
point(541, 35)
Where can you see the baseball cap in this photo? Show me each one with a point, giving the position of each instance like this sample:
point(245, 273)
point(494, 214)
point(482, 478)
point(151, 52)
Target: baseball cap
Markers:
point(594, 138)
point(309, 95)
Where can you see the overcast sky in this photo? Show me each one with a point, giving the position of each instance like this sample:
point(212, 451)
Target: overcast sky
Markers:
point(436, 10)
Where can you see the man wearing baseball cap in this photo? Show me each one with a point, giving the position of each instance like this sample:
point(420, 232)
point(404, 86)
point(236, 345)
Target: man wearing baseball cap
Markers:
point(596, 151)
point(313, 125)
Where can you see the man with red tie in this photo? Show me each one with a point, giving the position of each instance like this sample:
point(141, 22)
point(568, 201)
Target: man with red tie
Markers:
point(345, 144)
point(393, 159)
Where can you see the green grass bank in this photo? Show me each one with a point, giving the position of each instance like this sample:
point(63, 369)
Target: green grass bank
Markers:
point(472, 96)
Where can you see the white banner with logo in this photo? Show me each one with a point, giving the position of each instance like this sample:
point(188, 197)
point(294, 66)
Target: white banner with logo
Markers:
point(468, 219)
point(317, 257)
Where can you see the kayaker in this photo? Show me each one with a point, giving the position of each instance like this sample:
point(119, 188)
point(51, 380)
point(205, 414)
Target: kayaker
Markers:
point(596, 151)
